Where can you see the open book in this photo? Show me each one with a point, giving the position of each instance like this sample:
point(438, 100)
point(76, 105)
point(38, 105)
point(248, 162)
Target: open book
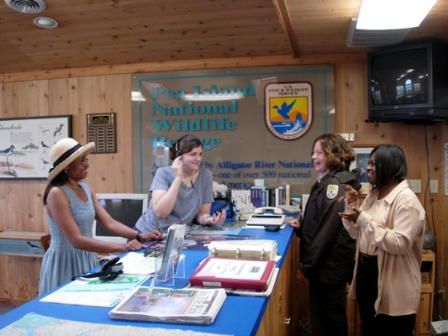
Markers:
point(197, 306)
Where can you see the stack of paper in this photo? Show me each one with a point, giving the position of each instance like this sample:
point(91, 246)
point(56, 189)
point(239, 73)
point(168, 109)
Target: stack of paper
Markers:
point(197, 306)
point(137, 263)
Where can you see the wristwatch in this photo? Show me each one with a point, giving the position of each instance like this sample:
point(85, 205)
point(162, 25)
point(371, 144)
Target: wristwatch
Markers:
point(138, 237)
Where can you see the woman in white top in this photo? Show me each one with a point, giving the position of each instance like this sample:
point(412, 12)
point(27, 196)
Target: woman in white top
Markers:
point(389, 228)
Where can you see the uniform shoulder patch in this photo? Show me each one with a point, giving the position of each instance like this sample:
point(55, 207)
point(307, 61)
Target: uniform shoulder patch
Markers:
point(332, 191)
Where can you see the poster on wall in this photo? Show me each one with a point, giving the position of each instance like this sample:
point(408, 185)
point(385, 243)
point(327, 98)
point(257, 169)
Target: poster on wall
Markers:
point(254, 123)
point(25, 142)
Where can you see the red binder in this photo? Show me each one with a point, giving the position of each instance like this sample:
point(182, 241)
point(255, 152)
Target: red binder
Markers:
point(234, 273)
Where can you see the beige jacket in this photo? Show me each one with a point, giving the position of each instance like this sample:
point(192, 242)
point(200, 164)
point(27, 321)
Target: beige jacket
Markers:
point(397, 232)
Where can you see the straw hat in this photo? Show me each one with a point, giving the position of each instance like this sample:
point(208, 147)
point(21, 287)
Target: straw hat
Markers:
point(64, 152)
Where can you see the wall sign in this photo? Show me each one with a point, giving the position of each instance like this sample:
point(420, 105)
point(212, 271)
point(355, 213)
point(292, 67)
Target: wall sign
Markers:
point(227, 109)
point(25, 142)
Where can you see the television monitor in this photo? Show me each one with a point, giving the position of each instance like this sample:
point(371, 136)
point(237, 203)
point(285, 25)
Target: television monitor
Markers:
point(125, 208)
point(408, 83)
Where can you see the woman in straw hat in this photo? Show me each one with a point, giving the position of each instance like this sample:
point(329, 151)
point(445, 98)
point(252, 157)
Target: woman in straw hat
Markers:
point(71, 209)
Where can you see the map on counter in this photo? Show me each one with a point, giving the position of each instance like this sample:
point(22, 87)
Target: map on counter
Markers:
point(38, 325)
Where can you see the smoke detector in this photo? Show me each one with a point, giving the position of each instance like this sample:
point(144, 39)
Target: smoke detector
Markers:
point(374, 38)
point(27, 6)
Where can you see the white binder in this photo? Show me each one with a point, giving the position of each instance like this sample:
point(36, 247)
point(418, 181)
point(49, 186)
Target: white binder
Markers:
point(244, 249)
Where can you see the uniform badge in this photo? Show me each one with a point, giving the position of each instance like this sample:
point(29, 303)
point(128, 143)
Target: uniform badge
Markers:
point(332, 191)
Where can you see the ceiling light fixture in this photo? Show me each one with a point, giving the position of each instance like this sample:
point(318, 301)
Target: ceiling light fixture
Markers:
point(45, 22)
point(374, 37)
point(393, 14)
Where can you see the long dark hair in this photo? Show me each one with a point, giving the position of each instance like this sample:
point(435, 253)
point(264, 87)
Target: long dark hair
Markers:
point(390, 164)
point(58, 181)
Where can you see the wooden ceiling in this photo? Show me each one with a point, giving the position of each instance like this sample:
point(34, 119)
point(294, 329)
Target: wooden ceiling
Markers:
point(120, 32)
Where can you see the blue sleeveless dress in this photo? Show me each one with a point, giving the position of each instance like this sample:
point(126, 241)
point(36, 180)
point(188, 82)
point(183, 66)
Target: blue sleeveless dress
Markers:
point(62, 261)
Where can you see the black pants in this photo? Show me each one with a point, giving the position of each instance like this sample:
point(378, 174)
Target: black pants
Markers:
point(328, 304)
point(366, 294)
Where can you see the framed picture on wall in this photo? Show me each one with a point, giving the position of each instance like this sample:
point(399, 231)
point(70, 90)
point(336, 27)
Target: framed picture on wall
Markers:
point(362, 155)
point(25, 142)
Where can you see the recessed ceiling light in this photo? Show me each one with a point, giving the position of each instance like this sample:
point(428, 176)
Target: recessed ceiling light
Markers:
point(45, 22)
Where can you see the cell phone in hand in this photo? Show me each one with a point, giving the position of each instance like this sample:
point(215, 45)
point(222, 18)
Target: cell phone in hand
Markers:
point(225, 206)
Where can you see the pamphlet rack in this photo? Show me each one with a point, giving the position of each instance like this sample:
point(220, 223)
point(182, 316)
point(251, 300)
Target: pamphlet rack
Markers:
point(166, 273)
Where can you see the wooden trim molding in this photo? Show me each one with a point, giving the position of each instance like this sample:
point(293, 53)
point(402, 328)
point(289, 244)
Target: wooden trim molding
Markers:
point(216, 63)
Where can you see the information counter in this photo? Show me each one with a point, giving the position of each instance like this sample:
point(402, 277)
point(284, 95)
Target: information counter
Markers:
point(240, 315)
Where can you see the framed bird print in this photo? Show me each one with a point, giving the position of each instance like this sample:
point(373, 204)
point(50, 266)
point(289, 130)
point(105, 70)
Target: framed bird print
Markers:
point(25, 143)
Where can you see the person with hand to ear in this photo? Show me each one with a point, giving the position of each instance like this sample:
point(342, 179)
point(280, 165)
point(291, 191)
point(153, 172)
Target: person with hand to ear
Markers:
point(182, 192)
point(389, 231)
point(327, 252)
point(71, 207)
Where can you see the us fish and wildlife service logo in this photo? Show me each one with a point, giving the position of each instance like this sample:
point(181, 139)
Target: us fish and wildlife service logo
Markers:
point(332, 191)
point(288, 109)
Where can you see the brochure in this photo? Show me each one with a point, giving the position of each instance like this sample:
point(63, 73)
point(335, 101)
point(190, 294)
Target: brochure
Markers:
point(93, 292)
point(172, 253)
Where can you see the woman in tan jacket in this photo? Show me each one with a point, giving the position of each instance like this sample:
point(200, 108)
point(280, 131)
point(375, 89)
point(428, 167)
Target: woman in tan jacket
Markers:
point(389, 228)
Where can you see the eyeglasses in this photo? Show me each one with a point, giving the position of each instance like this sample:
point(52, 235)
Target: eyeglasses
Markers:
point(84, 161)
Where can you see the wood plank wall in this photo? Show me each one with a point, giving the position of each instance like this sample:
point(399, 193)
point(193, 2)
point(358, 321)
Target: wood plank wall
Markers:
point(21, 201)
point(108, 90)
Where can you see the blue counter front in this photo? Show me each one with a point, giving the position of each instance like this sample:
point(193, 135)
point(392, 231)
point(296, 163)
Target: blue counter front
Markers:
point(240, 315)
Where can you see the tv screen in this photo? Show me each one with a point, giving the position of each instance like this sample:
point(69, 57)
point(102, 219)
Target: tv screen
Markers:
point(124, 208)
point(400, 78)
point(408, 83)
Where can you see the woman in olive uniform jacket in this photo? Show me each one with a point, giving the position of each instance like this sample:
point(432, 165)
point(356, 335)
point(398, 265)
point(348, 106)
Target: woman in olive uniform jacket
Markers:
point(326, 250)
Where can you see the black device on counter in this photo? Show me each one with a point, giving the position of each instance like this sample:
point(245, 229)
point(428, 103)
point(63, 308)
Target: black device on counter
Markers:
point(224, 206)
point(110, 268)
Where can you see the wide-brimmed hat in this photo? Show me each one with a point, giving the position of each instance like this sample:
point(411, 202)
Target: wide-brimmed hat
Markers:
point(64, 152)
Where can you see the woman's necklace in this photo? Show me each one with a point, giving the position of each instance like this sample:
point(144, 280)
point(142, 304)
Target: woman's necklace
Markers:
point(193, 177)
